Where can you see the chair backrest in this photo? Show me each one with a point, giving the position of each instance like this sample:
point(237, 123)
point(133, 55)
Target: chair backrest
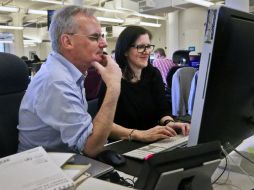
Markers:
point(192, 93)
point(92, 107)
point(92, 84)
point(170, 74)
point(181, 83)
point(14, 80)
point(181, 57)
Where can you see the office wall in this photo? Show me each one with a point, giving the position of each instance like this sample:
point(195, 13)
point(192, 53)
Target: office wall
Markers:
point(45, 49)
point(111, 44)
point(191, 28)
point(159, 35)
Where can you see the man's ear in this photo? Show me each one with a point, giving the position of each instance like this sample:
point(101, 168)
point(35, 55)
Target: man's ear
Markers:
point(66, 41)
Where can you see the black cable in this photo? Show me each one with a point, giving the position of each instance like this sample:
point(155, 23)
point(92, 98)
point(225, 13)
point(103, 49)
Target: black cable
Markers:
point(126, 183)
point(223, 171)
point(114, 177)
point(132, 181)
point(243, 156)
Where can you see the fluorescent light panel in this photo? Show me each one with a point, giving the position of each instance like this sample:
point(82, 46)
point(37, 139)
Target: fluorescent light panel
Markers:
point(201, 2)
point(110, 19)
point(38, 12)
point(106, 10)
point(6, 41)
point(149, 24)
point(149, 16)
point(53, 2)
point(9, 9)
point(12, 27)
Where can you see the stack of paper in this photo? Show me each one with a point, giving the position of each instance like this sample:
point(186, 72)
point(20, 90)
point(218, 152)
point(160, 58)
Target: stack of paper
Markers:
point(76, 172)
point(32, 169)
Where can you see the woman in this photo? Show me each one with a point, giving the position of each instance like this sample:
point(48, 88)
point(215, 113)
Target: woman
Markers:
point(142, 111)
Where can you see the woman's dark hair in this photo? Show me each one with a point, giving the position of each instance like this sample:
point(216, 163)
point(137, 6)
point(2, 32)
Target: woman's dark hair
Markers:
point(126, 39)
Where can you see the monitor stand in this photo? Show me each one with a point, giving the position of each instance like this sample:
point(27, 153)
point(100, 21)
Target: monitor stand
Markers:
point(188, 179)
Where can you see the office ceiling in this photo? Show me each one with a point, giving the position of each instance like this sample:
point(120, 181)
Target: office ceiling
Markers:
point(155, 7)
point(129, 9)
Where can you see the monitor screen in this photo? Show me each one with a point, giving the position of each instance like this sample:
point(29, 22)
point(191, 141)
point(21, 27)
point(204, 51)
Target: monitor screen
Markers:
point(50, 14)
point(224, 101)
point(183, 168)
point(151, 58)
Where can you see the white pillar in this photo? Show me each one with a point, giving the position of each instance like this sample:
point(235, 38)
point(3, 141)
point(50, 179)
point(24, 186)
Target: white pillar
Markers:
point(172, 33)
point(18, 46)
point(243, 5)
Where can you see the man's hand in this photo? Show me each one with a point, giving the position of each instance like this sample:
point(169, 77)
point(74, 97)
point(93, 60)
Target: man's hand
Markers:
point(110, 72)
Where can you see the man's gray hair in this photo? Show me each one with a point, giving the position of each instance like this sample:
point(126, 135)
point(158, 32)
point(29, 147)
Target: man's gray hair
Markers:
point(63, 22)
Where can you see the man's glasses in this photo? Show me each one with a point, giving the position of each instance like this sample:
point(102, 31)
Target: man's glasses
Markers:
point(142, 48)
point(93, 37)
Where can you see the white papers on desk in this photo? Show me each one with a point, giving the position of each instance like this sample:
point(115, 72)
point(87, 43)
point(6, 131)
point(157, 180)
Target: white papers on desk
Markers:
point(97, 184)
point(60, 158)
point(32, 170)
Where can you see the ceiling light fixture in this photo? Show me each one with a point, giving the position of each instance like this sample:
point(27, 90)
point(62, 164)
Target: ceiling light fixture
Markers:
point(9, 9)
point(108, 10)
point(53, 2)
point(201, 2)
point(110, 19)
point(104, 9)
point(150, 24)
point(149, 16)
point(11, 27)
point(6, 41)
point(37, 12)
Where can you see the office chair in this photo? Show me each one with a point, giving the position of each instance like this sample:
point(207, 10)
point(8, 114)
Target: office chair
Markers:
point(181, 83)
point(92, 107)
point(181, 57)
point(192, 93)
point(14, 80)
point(92, 84)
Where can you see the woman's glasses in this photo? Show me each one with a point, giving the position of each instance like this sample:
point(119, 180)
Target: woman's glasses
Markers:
point(142, 48)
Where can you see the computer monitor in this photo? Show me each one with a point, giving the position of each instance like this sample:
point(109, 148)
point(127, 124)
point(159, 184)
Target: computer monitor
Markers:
point(181, 169)
point(151, 58)
point(49, 16)
point(224, 101)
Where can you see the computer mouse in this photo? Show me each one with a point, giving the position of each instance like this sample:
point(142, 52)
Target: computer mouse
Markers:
point(111, 157)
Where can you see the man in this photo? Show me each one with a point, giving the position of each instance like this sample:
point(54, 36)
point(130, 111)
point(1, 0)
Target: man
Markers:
point(162, 63)
point(53, 112)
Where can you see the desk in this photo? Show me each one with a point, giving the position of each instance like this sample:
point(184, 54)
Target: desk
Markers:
point(134, 166)
point(232, 181)
point(97, 184)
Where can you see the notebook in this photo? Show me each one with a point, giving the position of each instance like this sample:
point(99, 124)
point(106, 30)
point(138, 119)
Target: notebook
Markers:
point(97, 168)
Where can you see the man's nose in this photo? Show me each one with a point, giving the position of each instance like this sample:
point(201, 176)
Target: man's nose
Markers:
point(103, 43)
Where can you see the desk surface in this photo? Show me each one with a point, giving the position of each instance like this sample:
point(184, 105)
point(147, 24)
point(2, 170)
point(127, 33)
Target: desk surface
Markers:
point(230, 180)
point(132, 166)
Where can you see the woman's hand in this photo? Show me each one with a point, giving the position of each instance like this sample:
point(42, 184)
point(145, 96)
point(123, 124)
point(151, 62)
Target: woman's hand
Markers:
point(183, 127)
point(153, 134)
